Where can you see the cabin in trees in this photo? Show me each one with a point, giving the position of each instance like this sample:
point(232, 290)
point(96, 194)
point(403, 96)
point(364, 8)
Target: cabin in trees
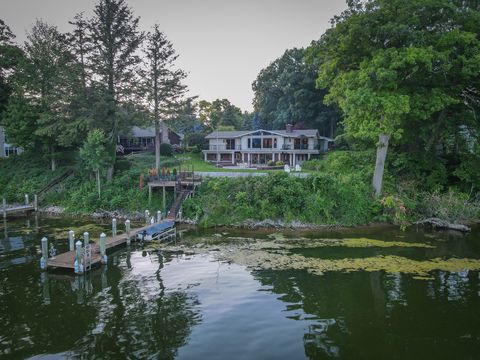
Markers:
point(143, 139)
point(261, 146)
point(6, 149)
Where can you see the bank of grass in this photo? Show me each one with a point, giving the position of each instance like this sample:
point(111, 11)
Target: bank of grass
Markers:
point(27, 174)
point(337, 192)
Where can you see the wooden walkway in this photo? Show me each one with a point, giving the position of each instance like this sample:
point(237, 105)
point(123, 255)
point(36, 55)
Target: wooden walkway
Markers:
point(18, 209)
point(67, 260)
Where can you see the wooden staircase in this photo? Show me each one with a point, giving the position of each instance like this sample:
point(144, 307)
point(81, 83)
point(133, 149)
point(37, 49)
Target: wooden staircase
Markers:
point(43, 192)
point(177, 204)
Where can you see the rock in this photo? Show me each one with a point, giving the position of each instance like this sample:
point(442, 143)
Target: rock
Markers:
point(443, 224)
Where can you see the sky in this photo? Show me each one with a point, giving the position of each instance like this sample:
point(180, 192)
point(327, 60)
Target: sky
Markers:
point(223, 44)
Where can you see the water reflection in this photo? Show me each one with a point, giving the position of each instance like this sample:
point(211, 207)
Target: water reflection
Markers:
point(153, 304)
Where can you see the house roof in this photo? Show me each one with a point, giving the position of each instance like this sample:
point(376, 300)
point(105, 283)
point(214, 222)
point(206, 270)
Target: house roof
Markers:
point(284, 133)
point(138, 132)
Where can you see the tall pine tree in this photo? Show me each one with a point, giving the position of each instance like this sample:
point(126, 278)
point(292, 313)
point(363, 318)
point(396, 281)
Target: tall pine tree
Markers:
point(115, 40)
point(163, 82)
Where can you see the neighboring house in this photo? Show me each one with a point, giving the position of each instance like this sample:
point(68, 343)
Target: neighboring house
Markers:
point(144, 139)
point(7, 149)
point(260, 146)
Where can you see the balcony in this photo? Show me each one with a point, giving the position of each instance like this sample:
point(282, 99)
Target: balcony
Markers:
point(222, 148)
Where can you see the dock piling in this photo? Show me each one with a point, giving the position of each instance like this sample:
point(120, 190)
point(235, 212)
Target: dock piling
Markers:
point(159, 216)
point(4, 207)
point(44, 258)
point(71, 240)
point(114, 228)
point(127, 230)
point(26, 199)
point(35, 202)
point(78, 267)
point(86, 239)
point(147, 217)
point(103, 247)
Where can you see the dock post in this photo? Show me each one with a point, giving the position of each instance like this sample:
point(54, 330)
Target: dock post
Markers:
point(127, 230)
point(78, 258)
point(26, 199)
point(114, 229)
point(159, 216)
point(4, 207)
point(35, 203)
point(86, 239)
point(103, 246)
point(44, 258)
point(147, 217)
point(71, 240)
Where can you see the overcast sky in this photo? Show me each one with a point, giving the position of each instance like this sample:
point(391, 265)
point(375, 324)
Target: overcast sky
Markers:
point(222, 44)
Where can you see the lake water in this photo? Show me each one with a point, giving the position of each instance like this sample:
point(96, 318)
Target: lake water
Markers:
point(226, 294)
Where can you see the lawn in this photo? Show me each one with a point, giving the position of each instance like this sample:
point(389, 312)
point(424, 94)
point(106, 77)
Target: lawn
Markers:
point(187, 161)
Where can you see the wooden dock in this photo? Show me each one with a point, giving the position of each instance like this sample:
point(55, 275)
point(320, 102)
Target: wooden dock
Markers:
point(18, 209)
point(67, 259)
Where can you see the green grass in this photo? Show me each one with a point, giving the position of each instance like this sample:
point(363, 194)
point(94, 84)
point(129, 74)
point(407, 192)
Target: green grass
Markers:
point(196, 160)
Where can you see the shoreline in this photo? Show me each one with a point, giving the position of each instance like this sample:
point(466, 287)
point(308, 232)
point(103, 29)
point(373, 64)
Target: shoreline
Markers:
point(259, 225)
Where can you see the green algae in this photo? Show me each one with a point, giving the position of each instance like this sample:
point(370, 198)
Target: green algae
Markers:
point(366, 242)
point(389, 264)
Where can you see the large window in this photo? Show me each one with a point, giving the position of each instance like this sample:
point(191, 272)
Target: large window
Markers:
point(256, 143)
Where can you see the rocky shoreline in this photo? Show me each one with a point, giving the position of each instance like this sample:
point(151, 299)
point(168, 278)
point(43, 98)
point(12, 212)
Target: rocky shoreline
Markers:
point(249, 224)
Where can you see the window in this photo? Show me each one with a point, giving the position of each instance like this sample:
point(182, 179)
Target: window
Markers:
point(267, 143)
point(256, 143)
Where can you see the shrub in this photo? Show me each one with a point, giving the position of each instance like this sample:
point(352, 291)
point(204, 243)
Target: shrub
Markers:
point(271, 163)
point(166, 149)
point(314, 164)
point(452, 206)
point(279, 163)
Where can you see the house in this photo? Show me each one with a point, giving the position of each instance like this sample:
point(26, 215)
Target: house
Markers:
point(6, 149)
point(142, 139)
point(260, 146)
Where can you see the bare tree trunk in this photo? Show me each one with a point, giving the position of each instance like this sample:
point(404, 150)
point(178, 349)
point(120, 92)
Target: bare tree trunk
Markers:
point(164, 131)
point(157, 147)
point(98, 182)
point(53, 163)
point(382, 149)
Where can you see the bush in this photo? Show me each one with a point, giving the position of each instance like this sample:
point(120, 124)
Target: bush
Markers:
point(279, 163)
point(314, 164)
point(452, 206)
point(271, 163)
point(166, 149)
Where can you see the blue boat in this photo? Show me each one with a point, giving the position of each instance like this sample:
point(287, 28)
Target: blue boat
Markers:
point(155, 231)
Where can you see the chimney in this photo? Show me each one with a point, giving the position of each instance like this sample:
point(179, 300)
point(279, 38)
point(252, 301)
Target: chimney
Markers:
point(289, 128)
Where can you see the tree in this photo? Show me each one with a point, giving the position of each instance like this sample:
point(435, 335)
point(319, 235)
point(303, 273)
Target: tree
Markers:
point(286, 93)
point(10, 55)
point(45, 82)
point(220, 112)
point(163, 84)
point(95, 154)
point(397, 69)
point(115, 42)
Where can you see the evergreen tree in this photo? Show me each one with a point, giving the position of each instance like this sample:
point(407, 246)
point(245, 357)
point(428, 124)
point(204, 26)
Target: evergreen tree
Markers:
point(115, 42)
point(163, 84)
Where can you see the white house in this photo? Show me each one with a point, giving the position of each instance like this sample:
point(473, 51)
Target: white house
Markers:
point(260, 146)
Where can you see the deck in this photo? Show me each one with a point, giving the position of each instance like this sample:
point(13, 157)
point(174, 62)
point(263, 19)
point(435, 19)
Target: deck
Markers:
point(66, 260)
